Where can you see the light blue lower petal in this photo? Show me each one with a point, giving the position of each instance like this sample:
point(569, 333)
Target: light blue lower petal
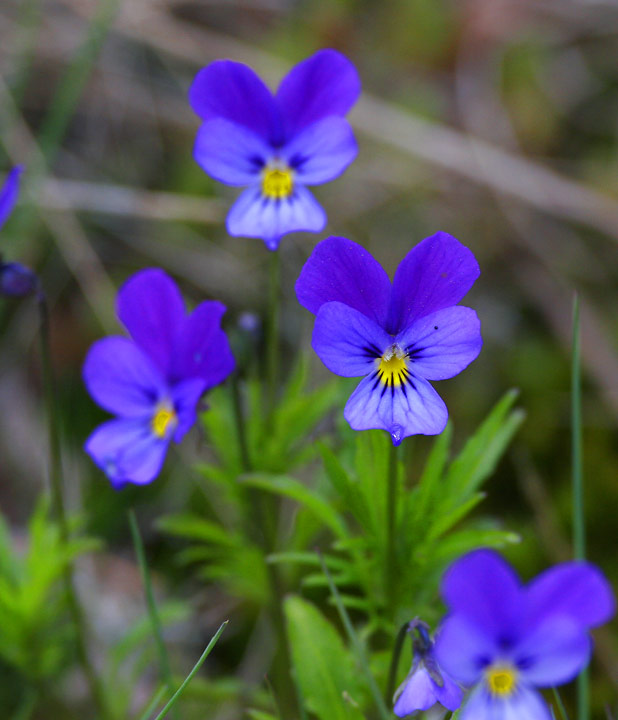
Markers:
point(254, 215)
point(413, 408)
point(417, 693)
point(524, 704)
point(127, 450)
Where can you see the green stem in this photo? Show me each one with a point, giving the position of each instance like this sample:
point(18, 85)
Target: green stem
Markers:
point(391, 523)
point(55, 477)
point(176, 696)
point(392, 672)
point(357, 647)
point(166, 672)
point(579, 526)
point(239, 417)
point(272, 330)
point(579, 521)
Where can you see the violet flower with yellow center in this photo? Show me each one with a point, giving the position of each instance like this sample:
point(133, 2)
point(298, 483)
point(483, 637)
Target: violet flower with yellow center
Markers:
point(154, 380)
point(504, 640)
point(398, 336)
point(275, 145)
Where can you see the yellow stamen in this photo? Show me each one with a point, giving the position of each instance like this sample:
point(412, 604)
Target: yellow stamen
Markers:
point(162, 419)
point(501, 680)
point(392, 368)
point(277, 183)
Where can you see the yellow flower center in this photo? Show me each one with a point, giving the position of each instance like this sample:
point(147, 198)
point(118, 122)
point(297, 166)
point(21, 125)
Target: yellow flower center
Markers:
point(501, 680)
point(392, 368)
point(277, 183)
point(162, 419)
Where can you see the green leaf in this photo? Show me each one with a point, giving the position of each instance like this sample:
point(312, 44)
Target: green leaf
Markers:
point(289, 487)
point(323, 667)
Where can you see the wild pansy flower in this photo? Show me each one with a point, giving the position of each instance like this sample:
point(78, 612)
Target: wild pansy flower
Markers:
point(277, 144)
point(504, 639)
point(427, 684)
point(399, 335)
point(153, 380)
point(16, 280)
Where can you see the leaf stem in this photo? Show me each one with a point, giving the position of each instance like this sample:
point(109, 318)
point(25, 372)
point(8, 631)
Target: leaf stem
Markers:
point(176, 696)
point(155, 621)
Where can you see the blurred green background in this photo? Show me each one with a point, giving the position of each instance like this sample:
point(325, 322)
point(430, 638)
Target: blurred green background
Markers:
point(493, 120)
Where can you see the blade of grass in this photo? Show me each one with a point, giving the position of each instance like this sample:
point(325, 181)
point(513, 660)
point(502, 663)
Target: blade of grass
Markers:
point(560, 704)
point(159, 695)
point(155, 621)
point(176, 696)
point(579, 521)
point(356, 644)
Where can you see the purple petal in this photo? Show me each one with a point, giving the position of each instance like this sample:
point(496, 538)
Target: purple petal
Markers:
point(435, 274)
point(483, 588)
point(232, 91)
point(524, 704)
point(554, 652)
point(442, 344)
point(418, 693)
point(324, 84)
point(229, 152)
point(9, 193)
point(322, 151)
point(347, 341)
point(342, 271)
point(202, 349)
point(450, 694)
point(413, 408)
point(463, 650)
point(121, 378)
point(577, 589)
point(151, 307)
point(185, 397)
point(16, 280)
point(127, 451)
point(254, 215)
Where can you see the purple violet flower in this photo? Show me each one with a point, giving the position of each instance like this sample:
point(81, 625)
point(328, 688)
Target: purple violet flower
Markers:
point(427, 684)
point(397, 335)
point(504, 639)
point(8, 193)
point(154, 380)
point(275, 144)
point(16, 280)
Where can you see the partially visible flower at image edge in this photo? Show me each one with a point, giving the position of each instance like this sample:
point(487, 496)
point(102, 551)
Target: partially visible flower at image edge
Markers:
point(504, 639)
point(16, 280)
point(154, 380)
point(398, 336)
point(277, 144)
point(426, 684)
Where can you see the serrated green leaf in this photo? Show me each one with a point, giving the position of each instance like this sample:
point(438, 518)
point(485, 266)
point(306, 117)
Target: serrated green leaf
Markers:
point(323, 667)
point(292, 488)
